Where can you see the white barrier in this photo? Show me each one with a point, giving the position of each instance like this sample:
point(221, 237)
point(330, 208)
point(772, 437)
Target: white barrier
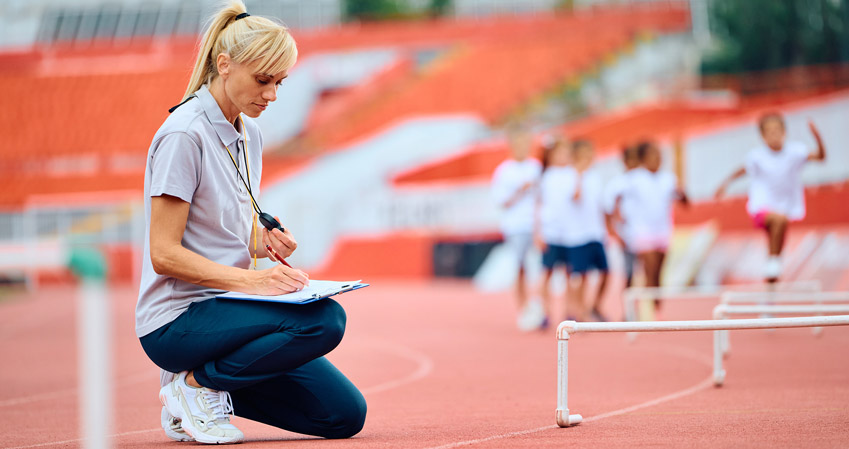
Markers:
point(770, 298)
point(721, 338)
point(567, 328)
point(631, 295)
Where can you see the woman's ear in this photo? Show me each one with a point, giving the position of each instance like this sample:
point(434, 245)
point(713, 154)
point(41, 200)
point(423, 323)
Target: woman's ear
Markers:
point(222, 63)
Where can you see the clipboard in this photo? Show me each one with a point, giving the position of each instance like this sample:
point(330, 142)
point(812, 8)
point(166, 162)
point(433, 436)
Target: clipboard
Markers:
point(316, 291)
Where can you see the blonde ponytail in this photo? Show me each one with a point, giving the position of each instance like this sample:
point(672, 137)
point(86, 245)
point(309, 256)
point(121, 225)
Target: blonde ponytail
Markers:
point(249, 39)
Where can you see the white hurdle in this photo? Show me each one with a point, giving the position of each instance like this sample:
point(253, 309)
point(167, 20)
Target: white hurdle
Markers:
point(777, 297)
point(721, 340)
point(567, 328)
point(632, 295)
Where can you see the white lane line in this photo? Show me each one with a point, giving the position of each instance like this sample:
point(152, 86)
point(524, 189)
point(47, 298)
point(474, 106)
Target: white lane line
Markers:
point(425, 367)
point(683, 352)
point(77, 440)
point(678, 394)
point(125, 381)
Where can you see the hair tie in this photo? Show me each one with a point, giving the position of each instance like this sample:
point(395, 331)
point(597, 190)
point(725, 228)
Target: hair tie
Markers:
point(242, 16)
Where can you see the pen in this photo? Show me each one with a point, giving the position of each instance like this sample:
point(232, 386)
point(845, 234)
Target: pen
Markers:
point(276, 256)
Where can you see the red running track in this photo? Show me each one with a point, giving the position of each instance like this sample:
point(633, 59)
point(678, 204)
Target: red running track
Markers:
point(442, 365)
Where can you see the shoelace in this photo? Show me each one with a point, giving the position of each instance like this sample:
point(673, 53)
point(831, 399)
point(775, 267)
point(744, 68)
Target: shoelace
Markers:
point(220, 404)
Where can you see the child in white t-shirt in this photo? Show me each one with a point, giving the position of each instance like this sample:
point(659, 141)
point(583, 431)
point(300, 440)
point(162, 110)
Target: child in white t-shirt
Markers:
point(514, 186)
point(552, 213)
point(584, 231)
point(616, 216)
point(776, 194)
point(648, 198)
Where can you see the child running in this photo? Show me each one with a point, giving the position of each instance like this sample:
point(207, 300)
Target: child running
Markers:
point(514, 185)
point(554, 198)
point(648, 198)
point(584, 230)
point(776, 194)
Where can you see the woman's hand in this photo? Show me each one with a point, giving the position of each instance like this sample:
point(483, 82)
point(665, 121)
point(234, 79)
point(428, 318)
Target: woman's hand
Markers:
point(281, 242)
point(278, 280)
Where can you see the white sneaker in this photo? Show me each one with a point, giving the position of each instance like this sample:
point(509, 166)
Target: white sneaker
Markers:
point(531, 316)
point(172, 427)
point(772, 269)
point(204, 413)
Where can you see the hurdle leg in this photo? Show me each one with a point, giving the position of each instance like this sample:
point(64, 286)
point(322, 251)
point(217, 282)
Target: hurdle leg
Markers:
point(564, 419)
point(718, 370)
point(630, 307)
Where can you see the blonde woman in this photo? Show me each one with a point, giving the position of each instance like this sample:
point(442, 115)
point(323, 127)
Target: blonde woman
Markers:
point(262, 361)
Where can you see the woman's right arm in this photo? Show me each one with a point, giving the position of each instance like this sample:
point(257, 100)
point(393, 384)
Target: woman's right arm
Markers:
point(168, 215)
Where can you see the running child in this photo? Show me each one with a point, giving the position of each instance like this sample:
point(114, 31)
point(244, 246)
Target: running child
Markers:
point(649, 197)
point(776, 194)
point(514, 185)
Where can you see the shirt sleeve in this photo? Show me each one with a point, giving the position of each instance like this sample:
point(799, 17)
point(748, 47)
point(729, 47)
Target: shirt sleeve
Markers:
point(175, 167)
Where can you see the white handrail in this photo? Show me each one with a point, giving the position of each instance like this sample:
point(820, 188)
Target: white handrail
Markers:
point(567, 328)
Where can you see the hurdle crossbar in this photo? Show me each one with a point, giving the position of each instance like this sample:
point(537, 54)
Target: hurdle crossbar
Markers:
point(722, 339)
point(632, 294)
point(772, 298)
point(567, 328)
point(786, 297)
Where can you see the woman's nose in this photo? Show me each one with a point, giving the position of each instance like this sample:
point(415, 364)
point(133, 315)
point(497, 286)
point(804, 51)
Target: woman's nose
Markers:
point(270, 94)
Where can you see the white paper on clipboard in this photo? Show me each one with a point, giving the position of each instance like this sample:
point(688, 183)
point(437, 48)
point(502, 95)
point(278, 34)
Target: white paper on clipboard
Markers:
point(317, 290)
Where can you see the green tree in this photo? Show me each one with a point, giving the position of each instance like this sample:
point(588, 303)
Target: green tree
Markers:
point(374, 9)
point(771, 34)
point(439, 7)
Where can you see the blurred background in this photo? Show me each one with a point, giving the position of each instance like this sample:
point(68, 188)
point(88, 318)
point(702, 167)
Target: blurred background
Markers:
point(380, 149)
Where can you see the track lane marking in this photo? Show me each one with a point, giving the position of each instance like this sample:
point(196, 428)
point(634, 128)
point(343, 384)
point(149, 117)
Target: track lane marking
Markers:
point(424, 368)
point(683, 352)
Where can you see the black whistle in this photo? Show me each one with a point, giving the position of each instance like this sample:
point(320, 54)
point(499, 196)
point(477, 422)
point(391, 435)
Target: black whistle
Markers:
point(270, 222)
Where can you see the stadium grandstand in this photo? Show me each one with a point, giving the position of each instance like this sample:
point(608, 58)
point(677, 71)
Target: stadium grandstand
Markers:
point(422, 102)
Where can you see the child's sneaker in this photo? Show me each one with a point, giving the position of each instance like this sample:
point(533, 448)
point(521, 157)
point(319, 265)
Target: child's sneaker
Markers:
point(172, 427)
point(204, 413)
point(772, 269)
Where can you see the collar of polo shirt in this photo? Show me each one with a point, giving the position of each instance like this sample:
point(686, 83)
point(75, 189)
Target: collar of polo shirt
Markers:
point(225, 130)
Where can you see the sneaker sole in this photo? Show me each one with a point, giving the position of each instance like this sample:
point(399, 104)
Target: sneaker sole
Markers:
point(176, 411)
point(169, 432)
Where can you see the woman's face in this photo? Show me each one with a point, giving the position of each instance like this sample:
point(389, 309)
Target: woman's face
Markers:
point(247, 89)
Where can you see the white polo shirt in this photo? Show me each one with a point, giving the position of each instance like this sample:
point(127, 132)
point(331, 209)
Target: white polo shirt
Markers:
point(776, 180)
point(187, 160)
point(508, 178)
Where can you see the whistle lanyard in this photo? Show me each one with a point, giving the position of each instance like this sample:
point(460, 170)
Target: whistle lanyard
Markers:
point(246, 183)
